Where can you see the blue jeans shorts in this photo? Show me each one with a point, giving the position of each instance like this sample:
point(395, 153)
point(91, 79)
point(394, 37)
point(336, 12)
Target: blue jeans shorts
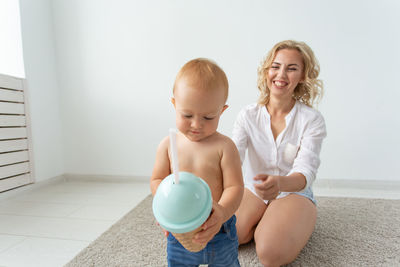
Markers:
point(221, 251)
point(308, 193)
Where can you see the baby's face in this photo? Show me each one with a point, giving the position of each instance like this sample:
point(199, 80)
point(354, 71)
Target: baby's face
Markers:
point(197, 111)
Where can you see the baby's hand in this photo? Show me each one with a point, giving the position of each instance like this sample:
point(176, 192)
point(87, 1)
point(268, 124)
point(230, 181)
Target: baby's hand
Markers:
point(166, 233)
point(211, 226)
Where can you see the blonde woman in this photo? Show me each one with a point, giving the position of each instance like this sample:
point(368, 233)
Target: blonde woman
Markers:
point(279, 140)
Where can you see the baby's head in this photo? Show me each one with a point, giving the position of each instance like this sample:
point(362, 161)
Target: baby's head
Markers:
point(200, 93)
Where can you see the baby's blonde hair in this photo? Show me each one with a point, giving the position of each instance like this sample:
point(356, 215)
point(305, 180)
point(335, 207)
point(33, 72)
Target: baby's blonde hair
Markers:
point(310, 90)
point(204, 74)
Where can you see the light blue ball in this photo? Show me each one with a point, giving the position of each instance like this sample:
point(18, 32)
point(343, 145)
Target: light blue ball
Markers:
point(182, 207)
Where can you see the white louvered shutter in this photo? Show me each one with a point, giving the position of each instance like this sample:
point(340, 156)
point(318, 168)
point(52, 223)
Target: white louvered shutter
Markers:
point(16, 168)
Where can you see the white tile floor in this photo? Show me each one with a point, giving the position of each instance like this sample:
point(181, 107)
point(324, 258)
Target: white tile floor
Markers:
point(49, 225)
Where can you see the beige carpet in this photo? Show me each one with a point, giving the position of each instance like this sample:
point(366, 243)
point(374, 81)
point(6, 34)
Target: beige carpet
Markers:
point(349, 232)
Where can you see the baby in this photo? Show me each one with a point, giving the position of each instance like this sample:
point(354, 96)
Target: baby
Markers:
point(199, 96)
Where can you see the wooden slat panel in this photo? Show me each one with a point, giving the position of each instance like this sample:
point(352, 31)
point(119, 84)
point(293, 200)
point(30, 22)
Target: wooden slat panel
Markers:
point(9, 95)
point(12, 108)
point(14, 174)
point(16, 181)
point(13, 145)
point(12, 133)
point(15, 169)
point(12, 120)
point(10, 82)
point(13, 157)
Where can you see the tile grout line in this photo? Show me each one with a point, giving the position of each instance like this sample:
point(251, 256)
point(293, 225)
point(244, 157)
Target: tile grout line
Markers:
point(50, 237)
point(13, 245)
point(54, 217)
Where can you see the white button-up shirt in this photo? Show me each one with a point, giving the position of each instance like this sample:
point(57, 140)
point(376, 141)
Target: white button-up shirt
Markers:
point(296, 148)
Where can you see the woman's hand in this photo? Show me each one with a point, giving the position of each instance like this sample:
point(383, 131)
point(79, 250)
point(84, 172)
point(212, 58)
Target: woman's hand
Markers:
point(211, 226)
point(268, 187)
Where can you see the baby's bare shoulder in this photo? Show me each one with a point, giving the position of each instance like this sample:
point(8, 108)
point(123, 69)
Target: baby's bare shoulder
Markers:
point(225, 141)
point(164, 143)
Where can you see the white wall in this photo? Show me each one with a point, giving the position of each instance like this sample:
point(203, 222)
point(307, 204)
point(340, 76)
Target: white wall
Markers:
point(11, 59)
point(40, 70)
point(117, 61)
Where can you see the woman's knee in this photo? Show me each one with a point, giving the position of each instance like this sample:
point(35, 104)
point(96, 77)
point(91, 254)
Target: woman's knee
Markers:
point(270, 255)
point(245, 236)
point(248, 215)
point(245, 231)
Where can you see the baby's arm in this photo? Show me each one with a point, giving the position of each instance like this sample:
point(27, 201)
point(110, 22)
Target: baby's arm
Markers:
point(161, 166)
point(231, 195)
point(232, 179)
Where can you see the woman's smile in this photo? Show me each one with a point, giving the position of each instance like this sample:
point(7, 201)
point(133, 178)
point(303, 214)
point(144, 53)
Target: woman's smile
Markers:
point(280, 84)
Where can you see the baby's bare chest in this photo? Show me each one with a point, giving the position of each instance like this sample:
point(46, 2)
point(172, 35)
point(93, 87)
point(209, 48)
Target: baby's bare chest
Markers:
point(207, 161)
point(204, 162)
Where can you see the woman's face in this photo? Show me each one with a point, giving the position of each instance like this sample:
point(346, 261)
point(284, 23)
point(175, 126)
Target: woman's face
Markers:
point(285, 72)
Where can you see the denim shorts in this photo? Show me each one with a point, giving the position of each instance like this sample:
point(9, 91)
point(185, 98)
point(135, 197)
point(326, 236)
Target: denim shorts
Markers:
point(221, 251)
point(308, 193)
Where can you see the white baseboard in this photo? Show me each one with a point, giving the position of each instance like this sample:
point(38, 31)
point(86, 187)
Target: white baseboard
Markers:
point(357, 188)
point(30, 187)
point(357, 184)
point(322, 187)
point(106, 178)
point(319, 183)
point(68, 177)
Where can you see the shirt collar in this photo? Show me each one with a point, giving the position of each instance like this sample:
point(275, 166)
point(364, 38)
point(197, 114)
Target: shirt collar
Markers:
point(288, 116)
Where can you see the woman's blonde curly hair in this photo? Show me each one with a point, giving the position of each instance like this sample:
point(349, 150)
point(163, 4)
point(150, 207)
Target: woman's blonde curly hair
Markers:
point(310, 90)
